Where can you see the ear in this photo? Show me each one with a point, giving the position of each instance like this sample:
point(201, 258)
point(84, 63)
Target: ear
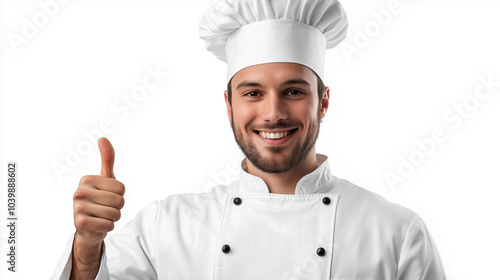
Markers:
point(325, 102)
point(227, 105)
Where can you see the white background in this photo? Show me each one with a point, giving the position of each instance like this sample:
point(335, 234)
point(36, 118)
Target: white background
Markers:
point(410, 70)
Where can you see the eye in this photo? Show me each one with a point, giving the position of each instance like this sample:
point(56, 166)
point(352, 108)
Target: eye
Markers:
point(252, 94)
point(294, 92)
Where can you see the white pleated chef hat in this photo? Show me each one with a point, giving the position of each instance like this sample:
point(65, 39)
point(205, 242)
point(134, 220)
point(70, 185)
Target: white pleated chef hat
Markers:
point(243, 33)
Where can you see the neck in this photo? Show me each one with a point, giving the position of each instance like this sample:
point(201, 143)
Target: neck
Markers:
point(285, 183)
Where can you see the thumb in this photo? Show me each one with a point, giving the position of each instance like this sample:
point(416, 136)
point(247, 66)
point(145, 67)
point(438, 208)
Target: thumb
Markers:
point(107, 157)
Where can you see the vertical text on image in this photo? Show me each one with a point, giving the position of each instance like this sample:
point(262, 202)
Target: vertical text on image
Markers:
point(12, 222)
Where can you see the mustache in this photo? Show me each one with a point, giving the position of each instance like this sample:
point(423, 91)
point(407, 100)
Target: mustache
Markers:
point(278, 125)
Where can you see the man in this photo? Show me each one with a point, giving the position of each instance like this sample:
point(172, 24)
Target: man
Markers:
point(287, 217)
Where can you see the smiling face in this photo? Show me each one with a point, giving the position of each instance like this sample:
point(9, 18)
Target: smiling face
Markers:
point(275, 114)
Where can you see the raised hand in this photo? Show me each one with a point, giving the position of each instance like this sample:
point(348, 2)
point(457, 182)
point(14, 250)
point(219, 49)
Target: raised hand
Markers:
point(97, 203)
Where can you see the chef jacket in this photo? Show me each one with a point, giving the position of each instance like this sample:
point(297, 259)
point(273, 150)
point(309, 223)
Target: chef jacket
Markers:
point(329, 229)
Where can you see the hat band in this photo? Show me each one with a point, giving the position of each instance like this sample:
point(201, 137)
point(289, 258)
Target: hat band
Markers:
point(275, 41)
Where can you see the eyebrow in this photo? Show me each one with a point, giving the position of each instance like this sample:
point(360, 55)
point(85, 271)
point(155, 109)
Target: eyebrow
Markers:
point(287, 82)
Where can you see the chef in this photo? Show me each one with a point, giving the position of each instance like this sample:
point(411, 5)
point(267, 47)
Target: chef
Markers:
point(288, 216)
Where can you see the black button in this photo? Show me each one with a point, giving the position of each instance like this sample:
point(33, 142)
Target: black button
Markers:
point(326, 200)
point(320, 251)
point(226, 248)
point(237, 200)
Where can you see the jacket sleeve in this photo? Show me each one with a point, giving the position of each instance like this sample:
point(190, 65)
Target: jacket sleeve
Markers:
point(63, 269)
point(127, 254)
point(419, 258)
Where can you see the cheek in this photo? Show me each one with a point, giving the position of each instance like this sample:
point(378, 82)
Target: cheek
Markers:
point(306, 113)
point(243, 115)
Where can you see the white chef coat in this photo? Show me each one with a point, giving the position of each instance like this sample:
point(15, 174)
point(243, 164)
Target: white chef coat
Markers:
point(329, 229)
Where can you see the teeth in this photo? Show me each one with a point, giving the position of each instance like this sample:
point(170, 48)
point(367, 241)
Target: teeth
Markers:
point(278, 135)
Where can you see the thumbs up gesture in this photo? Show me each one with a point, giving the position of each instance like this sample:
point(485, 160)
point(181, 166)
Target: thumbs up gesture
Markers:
point(98, 200)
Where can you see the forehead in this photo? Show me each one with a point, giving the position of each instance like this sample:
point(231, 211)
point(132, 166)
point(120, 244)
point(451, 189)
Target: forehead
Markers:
point(273, 74)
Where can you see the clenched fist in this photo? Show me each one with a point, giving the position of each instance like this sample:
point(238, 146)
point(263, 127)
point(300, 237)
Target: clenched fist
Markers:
point(98, 200)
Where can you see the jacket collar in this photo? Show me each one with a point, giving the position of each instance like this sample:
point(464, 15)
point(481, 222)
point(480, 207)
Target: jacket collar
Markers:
point(309, 183)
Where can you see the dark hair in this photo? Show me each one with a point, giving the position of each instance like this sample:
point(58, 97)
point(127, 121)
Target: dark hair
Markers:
point(321, 89)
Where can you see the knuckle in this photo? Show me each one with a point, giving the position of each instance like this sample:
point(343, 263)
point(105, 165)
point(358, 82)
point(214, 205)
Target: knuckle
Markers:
point(121, 188)
point(120, 202)
point(87, 179)
point(81, 223)
point(79, 194)
point(110, 226)
point(78, 207)
point(118, 215)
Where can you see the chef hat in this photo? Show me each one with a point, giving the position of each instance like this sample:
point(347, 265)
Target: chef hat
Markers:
point(243, 33)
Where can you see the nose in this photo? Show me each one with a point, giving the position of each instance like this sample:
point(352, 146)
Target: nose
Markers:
point(274, 108)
